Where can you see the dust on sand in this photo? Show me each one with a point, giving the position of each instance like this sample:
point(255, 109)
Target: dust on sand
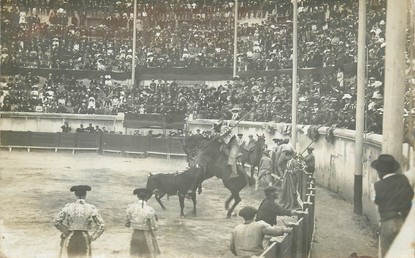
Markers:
point(35, 186)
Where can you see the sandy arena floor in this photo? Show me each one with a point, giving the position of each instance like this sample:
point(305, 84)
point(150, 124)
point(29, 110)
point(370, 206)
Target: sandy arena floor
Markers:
point(35, 186)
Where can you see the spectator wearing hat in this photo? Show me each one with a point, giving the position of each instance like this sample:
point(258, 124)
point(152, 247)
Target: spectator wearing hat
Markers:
point(268, 210)
point(393, 195)
point(251, 143)
point(81, 129)
point(264, 170)
point(310, 161)
point(247, 237)
point(90, 128)
point(240, 140)
point(143, 220)
point(74, 221)
point(65, 127)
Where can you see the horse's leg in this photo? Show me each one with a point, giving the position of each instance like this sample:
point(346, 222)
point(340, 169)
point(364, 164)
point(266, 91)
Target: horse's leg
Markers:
point(228, 201)
point(194, 203)
point(235, 196)
point(199, 188)
point(158, 198)
point(252, 171)
point(181, 201)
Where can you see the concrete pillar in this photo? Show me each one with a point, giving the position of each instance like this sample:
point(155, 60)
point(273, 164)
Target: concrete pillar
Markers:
point(396, 20)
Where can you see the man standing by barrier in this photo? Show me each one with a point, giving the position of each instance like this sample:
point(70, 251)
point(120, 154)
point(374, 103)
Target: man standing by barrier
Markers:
point(269, 210)
point(393, 194)
point(310, 161)
point(247, 238)
point(74, 221)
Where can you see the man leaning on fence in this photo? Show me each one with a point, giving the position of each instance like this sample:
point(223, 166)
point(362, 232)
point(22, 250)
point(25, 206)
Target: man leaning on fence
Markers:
point(247, 238)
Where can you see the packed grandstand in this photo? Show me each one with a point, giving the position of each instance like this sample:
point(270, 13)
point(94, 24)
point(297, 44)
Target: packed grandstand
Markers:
point(96, 35)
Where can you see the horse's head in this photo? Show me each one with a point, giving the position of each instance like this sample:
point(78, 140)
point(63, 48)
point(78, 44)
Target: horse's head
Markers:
point(200, 149)
point(191, 144)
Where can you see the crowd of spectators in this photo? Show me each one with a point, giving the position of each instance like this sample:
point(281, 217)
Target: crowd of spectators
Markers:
point(323, 98)
point(196, 34)
point(184, 34)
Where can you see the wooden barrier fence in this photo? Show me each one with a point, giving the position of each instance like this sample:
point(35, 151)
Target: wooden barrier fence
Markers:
point(297, 243)
point(98, 142)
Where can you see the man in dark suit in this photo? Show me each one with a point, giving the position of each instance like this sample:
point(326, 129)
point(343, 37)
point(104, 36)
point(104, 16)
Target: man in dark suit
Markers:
point(393, 194)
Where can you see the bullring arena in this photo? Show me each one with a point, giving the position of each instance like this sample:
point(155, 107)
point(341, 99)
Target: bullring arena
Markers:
point(35, 186)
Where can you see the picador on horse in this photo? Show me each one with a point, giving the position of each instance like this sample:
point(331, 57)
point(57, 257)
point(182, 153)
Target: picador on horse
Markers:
point(230, 146)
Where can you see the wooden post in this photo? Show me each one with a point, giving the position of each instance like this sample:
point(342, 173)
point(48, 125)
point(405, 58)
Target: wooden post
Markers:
point(294, 79)
point(360, 108)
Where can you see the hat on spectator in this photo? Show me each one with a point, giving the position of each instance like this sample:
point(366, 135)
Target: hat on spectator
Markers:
point(240, 134)
point(236, 108)
point(377, 84)
point(346, 96)
point(310, 148)
point(270, 189)
point(385, 163)
point(377, 95)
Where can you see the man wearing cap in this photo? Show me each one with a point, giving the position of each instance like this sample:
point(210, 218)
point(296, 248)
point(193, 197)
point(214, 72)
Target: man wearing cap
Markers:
point(269, 210)
point(310, 161)
point(143, 220)
point(393, 195)
point(74, 221)
point(247, 238)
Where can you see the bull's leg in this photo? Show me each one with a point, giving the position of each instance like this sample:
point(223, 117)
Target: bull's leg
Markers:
point(194, 203)
point(237, 199)
point(158, 198)
point(181, 201)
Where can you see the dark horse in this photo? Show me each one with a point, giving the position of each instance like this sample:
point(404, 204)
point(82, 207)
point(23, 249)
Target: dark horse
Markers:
point(207, 155)
point(178, 183)
point(253, 156)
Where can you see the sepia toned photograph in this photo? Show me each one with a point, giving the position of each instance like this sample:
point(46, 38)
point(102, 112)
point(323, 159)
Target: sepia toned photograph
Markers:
point(207, 128)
